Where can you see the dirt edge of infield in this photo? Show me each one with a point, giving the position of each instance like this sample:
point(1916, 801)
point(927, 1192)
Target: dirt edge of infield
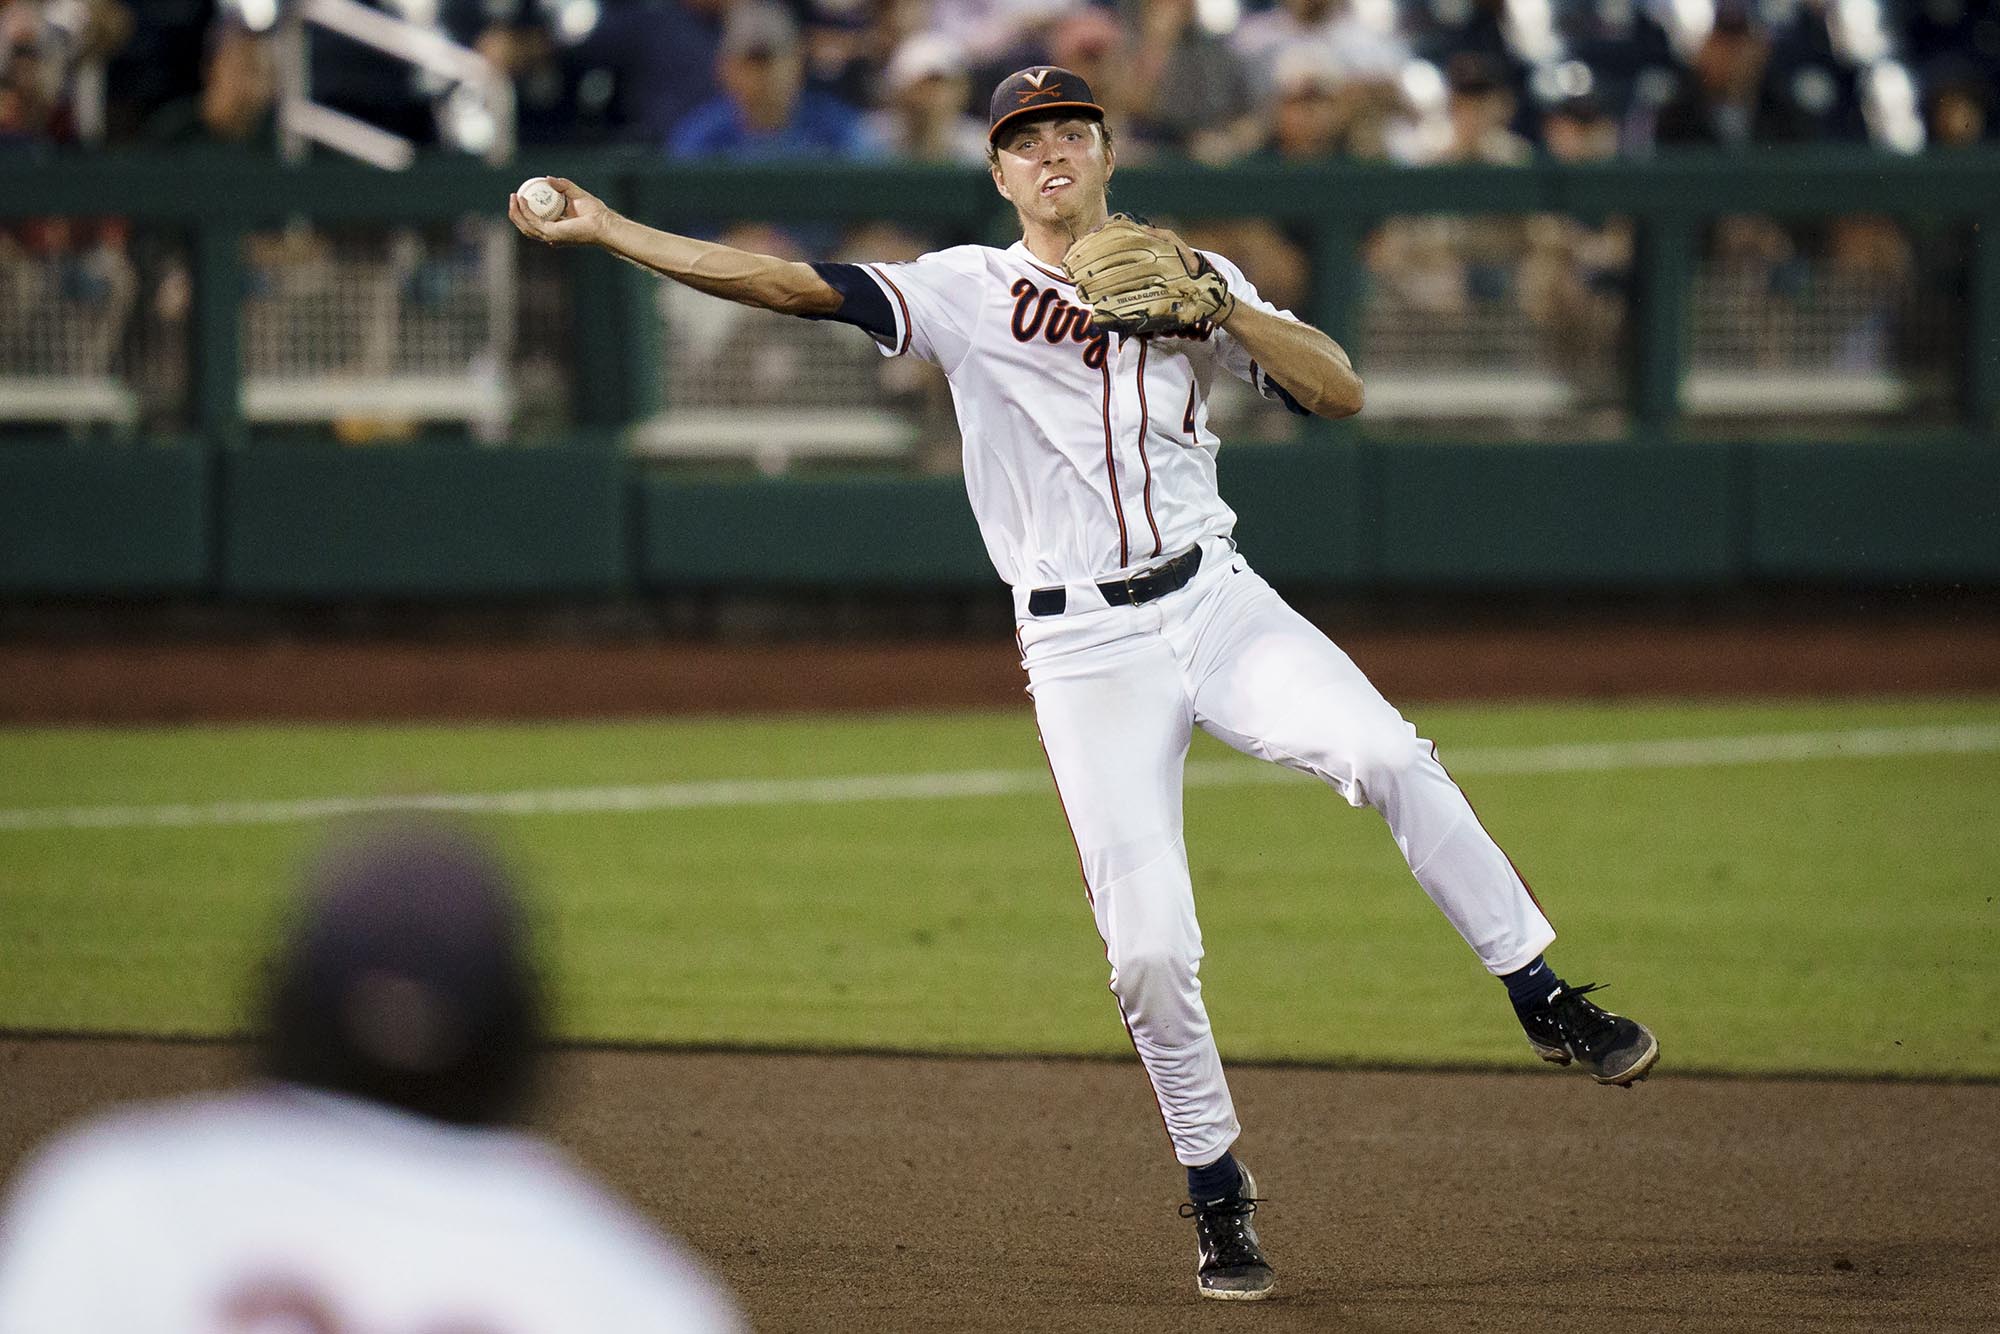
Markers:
point(903, 1194)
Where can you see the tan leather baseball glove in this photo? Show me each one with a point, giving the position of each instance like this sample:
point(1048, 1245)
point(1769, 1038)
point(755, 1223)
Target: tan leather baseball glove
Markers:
point(1140, 279)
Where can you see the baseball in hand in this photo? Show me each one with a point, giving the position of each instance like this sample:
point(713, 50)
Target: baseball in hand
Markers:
point(543, 200)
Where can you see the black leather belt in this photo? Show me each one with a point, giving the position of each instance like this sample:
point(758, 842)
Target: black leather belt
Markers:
point(1141, 588)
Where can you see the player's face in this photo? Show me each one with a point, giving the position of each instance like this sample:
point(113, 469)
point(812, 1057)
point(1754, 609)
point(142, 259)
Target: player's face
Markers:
point(1054, 171)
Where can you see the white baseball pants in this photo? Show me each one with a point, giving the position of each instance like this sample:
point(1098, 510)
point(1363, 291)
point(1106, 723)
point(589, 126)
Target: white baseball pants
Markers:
point(1117, 692)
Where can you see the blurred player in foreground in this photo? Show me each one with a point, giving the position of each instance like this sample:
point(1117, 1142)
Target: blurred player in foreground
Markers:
point(1082, 360)
point(365, 1184)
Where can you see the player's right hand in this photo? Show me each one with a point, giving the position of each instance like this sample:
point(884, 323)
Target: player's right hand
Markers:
point(584, 222)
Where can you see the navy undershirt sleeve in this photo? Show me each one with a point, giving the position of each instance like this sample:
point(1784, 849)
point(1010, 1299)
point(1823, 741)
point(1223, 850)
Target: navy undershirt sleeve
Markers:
point(862, 303)
point(1292, 405)
point(1263, 380)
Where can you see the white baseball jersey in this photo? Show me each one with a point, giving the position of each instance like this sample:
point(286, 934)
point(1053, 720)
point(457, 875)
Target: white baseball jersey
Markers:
point(1089, 456)
point(285, 1210)
point(1086, 454)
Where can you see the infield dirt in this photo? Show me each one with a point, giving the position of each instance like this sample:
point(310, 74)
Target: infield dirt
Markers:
point(862, 1193)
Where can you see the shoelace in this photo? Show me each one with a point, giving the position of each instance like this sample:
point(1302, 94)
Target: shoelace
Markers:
point(1586, 1026)
point(1223, 1228)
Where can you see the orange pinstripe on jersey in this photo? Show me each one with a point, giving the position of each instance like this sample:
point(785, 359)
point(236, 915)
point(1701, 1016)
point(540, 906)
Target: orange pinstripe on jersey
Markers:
point(1145, 420)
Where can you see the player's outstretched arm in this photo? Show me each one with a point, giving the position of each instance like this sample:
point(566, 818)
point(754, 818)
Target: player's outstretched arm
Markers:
point(738, 275)
point(1313, 368)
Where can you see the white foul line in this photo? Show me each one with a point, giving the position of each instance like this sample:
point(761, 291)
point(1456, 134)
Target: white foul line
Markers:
point(1580, 757)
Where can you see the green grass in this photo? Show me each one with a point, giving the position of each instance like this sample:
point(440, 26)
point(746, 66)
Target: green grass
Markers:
point(1828, 915)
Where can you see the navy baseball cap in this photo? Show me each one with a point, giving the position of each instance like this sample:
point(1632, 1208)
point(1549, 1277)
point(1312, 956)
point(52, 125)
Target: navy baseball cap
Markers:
point(1038, 90)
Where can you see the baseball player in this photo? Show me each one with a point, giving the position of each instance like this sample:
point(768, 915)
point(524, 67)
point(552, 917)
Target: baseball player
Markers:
point(1081, 360)
point(366, 1185)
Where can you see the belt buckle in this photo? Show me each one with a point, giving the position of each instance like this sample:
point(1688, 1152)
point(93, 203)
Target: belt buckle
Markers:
point(1150, 578)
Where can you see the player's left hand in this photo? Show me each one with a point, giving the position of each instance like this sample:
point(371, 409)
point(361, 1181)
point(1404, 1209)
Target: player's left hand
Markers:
point(584, 221)
point(1140, 279)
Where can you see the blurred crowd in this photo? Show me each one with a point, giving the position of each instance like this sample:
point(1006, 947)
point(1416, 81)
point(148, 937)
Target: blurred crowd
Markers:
point(1494, 82)
point(1408, 81)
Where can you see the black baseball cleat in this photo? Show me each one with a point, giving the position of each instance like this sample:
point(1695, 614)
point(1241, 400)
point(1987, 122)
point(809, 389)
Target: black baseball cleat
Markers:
point(1614, 1049)
point(1230, 1265)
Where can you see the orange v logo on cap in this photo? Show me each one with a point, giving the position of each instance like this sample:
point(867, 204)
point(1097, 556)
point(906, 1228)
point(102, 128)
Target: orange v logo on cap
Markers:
point(1035, 80)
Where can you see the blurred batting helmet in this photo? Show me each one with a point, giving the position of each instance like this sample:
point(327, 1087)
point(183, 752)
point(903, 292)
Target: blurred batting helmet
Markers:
point(406, 979)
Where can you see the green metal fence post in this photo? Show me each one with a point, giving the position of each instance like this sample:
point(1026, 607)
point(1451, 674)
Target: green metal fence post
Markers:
point(1982, 341)
point(1337, 279)
point(216, 347)
point(593, 339)
point(1337, 282)
point(1663, 285)
point(640, 328)
point(1338, 460)
point(645, 356)
point(614, 336)
point(597, 291)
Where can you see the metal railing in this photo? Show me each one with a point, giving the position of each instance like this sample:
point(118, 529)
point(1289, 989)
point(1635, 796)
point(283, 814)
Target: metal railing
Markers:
point(302, 121)
point(336, 332)
point(1682, 341)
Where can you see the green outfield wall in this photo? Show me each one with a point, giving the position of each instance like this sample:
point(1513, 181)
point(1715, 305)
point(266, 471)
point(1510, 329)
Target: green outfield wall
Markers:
point(308, 523)
point(217, 511)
